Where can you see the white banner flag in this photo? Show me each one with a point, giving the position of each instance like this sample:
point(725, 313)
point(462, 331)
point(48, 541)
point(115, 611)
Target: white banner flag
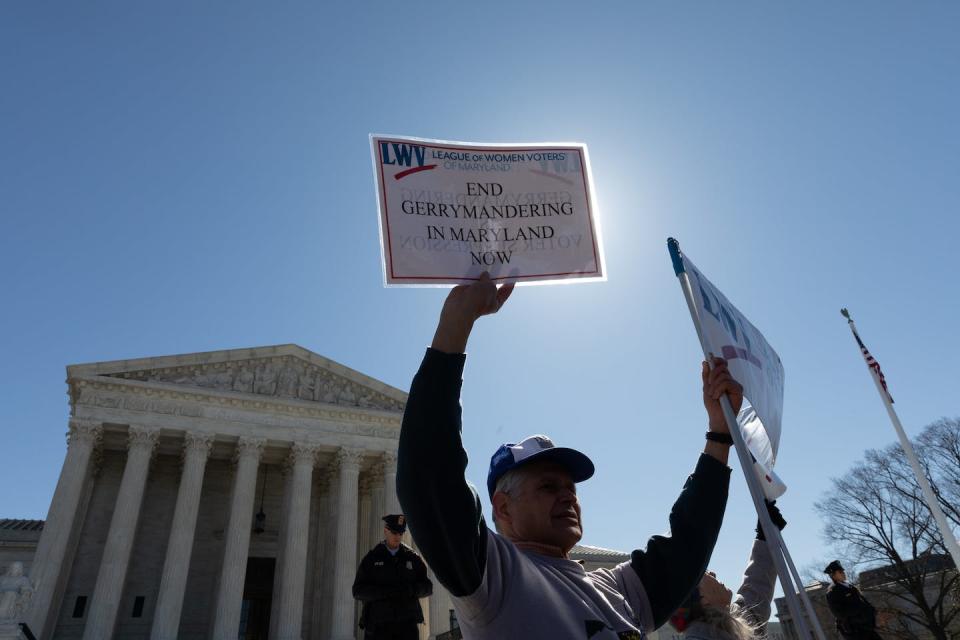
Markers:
point(754, 364)
point(451, 210)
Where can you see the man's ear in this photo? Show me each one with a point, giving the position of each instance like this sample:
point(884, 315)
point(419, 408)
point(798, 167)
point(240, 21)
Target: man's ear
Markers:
point(501, 507)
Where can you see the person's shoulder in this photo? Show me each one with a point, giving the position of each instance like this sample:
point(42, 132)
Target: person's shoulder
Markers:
point(377, 550)
point(409, 551)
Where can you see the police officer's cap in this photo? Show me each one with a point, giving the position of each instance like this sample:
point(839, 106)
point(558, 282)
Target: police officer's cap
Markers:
point(397, 523)
point(833, 567)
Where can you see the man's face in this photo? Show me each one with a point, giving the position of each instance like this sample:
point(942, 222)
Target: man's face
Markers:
point(392, 539)
point(839, 576)
point(544, 508)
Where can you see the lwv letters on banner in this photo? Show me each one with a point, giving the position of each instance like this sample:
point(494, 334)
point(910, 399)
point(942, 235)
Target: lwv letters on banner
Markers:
point(753, 363)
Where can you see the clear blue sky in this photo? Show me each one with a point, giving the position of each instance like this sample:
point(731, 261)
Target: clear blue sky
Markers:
point(185, 177)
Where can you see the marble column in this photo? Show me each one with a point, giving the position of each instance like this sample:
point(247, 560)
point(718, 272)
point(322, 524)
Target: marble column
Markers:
point(364, 541)
point(230, 594)
point(377, 510)
point(391, 503)
point(320, 624)
point(424, 628)
point(346, 553)
point(173, 580)
point(105, 602)
point(82, 439)
point(295, 534)
point(439, 617)
point(390, 500)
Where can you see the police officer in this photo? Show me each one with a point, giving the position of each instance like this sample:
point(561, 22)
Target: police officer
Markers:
point(856, 618)
point(389, 581)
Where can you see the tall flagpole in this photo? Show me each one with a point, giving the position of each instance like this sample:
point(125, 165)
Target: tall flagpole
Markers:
point(771, 533)
point(948, 538)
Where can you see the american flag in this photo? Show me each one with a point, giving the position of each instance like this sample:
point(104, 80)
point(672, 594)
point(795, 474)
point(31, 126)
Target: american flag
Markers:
point(871, 362)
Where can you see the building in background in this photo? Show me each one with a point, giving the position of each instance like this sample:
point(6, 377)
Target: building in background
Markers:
point(214, 495)
point(881, 587)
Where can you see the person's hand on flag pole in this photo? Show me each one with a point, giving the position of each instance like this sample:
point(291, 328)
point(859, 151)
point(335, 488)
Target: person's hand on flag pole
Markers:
point(717, 381)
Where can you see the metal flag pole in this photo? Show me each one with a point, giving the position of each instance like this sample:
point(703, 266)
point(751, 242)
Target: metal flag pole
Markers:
point(818, 630)
point(948, 538)
point(771, 533)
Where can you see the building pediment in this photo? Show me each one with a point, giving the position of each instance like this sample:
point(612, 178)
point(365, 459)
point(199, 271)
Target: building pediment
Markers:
point(280, 372)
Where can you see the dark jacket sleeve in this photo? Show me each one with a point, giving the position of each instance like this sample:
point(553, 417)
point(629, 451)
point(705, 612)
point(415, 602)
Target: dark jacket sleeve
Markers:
point(366, 589)
point(442, 510)
point(671, 566)
point(422, 587)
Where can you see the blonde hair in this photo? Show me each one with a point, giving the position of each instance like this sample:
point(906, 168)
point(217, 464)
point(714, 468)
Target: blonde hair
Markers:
point(729, 621)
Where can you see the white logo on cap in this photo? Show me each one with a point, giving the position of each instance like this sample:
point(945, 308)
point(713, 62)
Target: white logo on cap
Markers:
point(528, 447)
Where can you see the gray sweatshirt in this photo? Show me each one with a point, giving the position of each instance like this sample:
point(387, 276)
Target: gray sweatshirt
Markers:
point(528, 595)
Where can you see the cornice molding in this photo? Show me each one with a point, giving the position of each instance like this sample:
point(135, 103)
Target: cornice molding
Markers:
point(279, 375)
point(167, 399)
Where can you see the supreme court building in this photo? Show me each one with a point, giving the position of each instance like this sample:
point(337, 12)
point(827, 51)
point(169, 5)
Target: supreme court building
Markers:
point(227, 494)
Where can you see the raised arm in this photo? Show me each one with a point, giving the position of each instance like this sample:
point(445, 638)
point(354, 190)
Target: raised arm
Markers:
point(759, 580)
point(760, 576)
point(443, 511)
point(671, 566)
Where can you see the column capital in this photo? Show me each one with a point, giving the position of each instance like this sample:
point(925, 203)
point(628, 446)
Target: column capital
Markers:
point(85, 431)
point(366, 483)
point(376, 470)
point(199, 442)
point(249, 448)
point(349, 459)
point(303, 452)
point(389, 459)
point(142, 437)
point(327, 476)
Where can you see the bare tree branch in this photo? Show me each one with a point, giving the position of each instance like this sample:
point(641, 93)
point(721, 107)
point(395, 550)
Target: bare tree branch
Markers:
point(876, 516)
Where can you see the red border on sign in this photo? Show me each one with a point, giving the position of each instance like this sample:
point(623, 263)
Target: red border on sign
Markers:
point(386, 216)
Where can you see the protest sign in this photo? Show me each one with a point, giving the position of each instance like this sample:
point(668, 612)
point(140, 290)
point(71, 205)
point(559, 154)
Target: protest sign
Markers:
point(754, 364)
point(723, 330)
point(449, 211)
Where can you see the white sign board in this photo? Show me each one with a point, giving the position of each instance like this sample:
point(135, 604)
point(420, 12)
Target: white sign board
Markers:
point(449, 211)
point(754, 364)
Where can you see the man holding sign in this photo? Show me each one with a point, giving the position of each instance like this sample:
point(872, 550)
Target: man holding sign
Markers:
point(519, 582)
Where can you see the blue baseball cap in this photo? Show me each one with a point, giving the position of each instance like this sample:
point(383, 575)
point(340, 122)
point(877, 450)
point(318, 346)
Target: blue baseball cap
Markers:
point(510, 456)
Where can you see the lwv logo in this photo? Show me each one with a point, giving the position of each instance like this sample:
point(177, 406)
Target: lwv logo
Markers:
point(404, 155)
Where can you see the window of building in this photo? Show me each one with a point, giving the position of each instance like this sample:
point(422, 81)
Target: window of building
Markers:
point(138, 607)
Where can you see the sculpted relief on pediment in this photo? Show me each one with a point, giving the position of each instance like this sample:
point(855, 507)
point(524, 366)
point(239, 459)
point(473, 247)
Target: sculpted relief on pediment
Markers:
point(284, 377)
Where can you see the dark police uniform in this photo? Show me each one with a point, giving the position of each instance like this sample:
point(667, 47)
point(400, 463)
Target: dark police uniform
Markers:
point(856, 618)
point(389, 585)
